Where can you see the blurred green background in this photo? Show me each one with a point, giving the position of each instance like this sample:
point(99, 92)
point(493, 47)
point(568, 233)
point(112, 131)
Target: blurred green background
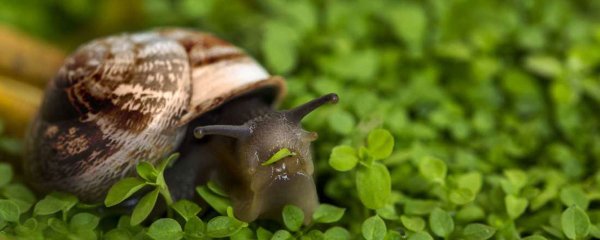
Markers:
point(514, 75)
point(484, 85)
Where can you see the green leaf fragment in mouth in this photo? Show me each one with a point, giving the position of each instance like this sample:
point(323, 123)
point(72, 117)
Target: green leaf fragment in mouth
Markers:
point(281, 154)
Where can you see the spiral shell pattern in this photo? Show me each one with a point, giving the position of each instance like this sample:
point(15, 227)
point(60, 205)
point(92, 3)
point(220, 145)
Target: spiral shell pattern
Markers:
point(123, 99)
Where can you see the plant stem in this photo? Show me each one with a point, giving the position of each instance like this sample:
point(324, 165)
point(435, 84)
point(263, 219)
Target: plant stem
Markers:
point(164, 191)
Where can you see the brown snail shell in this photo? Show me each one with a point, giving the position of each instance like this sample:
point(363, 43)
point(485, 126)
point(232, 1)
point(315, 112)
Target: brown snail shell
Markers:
point(122, 99)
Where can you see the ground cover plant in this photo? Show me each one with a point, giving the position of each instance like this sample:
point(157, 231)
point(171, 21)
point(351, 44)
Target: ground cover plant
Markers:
point(457, 119)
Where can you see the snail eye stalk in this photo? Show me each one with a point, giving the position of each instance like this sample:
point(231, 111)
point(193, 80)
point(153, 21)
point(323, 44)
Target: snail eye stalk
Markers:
point(238, 132)
point(296, 114)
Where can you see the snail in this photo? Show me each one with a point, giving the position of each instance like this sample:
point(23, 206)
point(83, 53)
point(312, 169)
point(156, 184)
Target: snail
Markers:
point(122, 99)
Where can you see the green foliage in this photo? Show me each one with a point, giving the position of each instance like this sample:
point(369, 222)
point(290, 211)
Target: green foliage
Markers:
point(326, 213)
point(293, 217)
point(575, 223)
point(165, 228)
point(343, 158)
point(457, 119)
point(186, 209)
point(148, 176)
point(478, 231)
point(441, 222)
point(281, 154)
point(374, 228)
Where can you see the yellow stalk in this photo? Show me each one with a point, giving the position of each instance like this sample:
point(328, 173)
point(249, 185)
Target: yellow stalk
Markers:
point(26, 58)
point(18, 104)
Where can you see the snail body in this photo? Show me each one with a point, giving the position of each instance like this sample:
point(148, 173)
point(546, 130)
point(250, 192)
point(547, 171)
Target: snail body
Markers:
point(140, 97)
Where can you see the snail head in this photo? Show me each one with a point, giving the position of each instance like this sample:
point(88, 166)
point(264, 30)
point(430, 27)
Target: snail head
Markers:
point(273, 152)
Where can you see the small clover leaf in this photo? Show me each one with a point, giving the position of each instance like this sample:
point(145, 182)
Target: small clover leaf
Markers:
point(374, 185)
point(147, 172)
point(144, 207)
point(165, 228)
point(441, 222)
point(123, 190)
point(374, 228)
point(477, 231)
point(223, 226)
point(186, 209)
point(9, 211)
point(281, 154)
point(380, 143)
point(326, 213)
point(217, 202)
point(415, 224)
point(433, 169)
point(6, 174)
point(84, 221)
point(343, 158)
point(575, 223)
point(293, 217)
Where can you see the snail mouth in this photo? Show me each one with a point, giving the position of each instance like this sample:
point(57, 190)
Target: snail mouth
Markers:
point(269, 196)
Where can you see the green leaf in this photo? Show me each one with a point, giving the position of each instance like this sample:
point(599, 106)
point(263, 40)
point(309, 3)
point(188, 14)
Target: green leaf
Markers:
point(216, 201)
point(374, 185)
point(293, 217)
point(341, 122)
point(415, 224)
point(47, 206)
point(409, 23)
point(84, 221)
point(215, 188)
point(575, 223)
point(58, 225)
point(535, 237)
point(243, 234)
point(187, 209)
point(394, 235)
point(514, 182)
point(515, 206)
point(388, 212)
point(326, 213)
point(281, 154)
point(6, 174)
point(282, 235)
point(471, 181)
point(123, 190)
point(30, 229)
point(470, 213)
point(433, 169)
point(547, 66)
point(419, 207)
point(313, 235)
point(167, 162)
point(222, 226)
point(9, 211)
point(146, 171)
point(441, 223)
point(461, 196)
point(279, 46)
point(574, 195)
point(144, 207)
point(55, 202)
point(420, 236)
point(380, 143)
point(118, 234)
point(477, 231)
point(165, 228)
point(343, 158)
point(337, 233)
point(374, 228)
point(195, 228)
point(263, 234)
point(20, 195)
